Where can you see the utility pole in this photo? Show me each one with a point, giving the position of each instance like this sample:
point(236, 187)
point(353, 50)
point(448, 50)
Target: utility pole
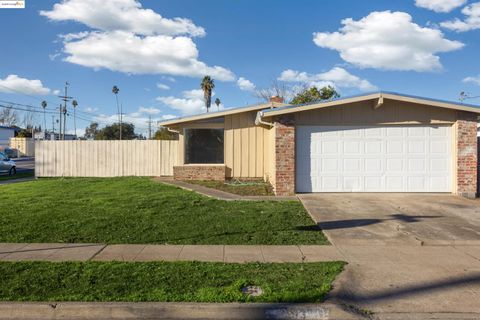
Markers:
point(75, 104)
point(60, 126)
point(65, 99)
point(149, 127)
point(53, 127)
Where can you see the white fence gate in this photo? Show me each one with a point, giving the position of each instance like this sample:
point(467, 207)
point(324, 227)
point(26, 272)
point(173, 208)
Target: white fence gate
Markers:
point(105, 158)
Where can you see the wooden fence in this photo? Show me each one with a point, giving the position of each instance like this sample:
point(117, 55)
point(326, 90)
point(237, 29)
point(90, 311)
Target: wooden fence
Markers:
point(105, 158)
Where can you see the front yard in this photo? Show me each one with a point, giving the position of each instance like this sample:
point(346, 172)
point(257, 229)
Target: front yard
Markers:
point(140, 210)
point(19, 175)
point(165, 281)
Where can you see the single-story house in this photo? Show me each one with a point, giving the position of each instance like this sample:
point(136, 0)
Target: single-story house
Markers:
point(5, 134)
point(376, 142)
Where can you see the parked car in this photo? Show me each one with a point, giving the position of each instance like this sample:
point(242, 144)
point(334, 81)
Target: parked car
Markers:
point(11, 153)
point(7, 165)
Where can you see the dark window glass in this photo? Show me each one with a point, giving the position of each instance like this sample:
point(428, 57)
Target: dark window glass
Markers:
point(204, 146)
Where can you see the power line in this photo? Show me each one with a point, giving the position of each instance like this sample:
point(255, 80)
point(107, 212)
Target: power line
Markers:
point(21, 109)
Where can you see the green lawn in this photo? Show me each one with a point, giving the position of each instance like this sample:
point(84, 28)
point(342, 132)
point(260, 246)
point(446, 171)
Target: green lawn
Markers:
point(19, 175)
point(140, 210)
point(244, 188)
point(165, 281)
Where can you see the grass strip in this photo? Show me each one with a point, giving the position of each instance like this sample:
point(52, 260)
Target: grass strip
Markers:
point(165, 281)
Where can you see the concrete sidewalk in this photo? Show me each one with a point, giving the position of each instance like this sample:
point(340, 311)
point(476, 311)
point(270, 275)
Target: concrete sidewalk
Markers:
point(141, 252)
point(172, 310)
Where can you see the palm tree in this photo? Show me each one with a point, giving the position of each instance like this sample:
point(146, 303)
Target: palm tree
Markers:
point(217, 102)
point(75, 104)
point(115, 91)
point(44, 106)
point(207, 86)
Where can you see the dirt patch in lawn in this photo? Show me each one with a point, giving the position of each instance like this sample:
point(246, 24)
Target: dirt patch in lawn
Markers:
point(243, 188)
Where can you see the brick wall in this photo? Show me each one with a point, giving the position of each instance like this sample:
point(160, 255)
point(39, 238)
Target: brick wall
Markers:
point(199, 172)
point(285, 156)
point(467, 154)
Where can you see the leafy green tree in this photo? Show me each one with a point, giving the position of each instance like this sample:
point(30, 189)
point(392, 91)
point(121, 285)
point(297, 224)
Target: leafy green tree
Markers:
point(112, 132)
point(91, 131)
point(313, 94)
point(207, 86)
point(164, 134)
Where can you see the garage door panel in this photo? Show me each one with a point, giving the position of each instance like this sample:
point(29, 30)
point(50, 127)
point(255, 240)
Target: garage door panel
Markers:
point(374, 159)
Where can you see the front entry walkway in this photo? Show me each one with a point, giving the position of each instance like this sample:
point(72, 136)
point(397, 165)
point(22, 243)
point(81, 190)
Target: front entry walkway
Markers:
point(407, 253)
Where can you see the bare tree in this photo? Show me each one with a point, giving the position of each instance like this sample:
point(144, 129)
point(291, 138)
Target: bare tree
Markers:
point(276, 89)
point(28, 119)
point(8, 117)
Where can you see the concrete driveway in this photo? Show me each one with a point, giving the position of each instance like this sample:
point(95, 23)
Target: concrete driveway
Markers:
point(386, 218)
point(410, 256)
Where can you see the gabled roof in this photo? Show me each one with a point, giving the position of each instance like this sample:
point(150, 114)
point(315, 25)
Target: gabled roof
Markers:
point(222, 113)
point(274, 109)
point(371, 96)
point(8, 128)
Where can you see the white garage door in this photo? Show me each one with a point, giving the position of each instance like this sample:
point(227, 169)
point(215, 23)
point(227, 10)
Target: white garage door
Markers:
point(373, 159)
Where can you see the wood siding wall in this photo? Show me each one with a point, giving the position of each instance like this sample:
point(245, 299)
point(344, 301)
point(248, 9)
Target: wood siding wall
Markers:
point(105, 158)
point(363, 113)
point(247, 147)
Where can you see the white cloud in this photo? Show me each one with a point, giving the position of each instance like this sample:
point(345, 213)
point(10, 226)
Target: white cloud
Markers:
point(245, 84)
point(125, 52)
point(190, 103)
point(388, 40)
point(150, 111)
point(440, 5)
point(471, 22)
point(337, 77)
point(90, 109)
point(126, 15)
point(163, 86)
point(15, 84)
point(129, 39)
point(171, 79)
point(139, 118)
point(56, 92)
point(168, 117)
point(474, 80)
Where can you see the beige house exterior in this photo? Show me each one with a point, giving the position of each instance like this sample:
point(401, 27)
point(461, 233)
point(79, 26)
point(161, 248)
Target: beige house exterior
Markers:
point(436, 145)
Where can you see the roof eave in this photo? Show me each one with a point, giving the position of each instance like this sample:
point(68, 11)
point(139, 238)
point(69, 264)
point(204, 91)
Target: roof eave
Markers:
point(217, 114)
point(373, 96)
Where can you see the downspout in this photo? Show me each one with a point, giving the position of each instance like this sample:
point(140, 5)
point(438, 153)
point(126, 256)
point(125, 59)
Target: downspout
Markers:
point(172, 130)
point(379, 102)
point(258, 120)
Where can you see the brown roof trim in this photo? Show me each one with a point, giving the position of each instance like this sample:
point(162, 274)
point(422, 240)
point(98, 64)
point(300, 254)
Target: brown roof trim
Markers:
point(223, 113)
point(373, 96)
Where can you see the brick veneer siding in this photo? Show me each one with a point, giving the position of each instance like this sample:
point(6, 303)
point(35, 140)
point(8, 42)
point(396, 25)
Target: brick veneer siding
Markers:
point(466, 154)
point(285, 156)
point(199, 172)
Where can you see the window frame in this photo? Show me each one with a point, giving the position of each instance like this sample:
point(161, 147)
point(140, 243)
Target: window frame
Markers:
point(185, 142)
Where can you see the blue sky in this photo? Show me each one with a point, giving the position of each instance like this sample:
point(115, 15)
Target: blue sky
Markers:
point(421, 47)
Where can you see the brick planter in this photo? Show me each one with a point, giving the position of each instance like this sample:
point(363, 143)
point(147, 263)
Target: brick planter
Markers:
point(199, 172)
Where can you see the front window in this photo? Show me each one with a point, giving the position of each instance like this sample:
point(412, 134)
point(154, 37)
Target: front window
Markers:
point(203, 146)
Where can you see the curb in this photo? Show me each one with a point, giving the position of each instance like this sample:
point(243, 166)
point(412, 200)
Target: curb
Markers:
point(165, 310)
